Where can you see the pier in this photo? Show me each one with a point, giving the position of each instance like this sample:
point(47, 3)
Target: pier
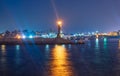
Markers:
point(38, 41)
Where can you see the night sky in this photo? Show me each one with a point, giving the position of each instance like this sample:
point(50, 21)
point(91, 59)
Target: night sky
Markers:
point(78, 15)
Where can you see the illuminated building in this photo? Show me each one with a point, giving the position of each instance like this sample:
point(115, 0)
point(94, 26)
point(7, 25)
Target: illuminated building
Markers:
point(114, 33)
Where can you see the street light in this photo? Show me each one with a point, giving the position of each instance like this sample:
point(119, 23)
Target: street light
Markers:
point(59, 24)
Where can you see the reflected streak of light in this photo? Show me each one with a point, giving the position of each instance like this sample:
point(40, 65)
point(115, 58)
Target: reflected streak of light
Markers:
point(17, 47)
point(3, 48)
point(97, 52)
point(118, 62)
point(17, 54)
point(105, 43)
point(63, 46)
point(60, 66)
point(97, 43)
point(119, 45)
point(3, 57)
point(47, 47)
point(69, 46)
point(105, 39)
point(89, 44)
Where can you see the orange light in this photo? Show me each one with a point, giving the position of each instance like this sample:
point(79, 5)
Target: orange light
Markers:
point(59, 22)
point(18, 37)
point(97, 36)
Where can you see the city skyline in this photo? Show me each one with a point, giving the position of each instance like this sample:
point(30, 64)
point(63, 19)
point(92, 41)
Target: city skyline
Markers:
point(78, 16)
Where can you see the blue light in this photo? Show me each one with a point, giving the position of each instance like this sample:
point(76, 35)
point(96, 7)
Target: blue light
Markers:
point(105, 43)
point(23, 36)
point(105, 39)
point(93, 33)
point(47, 47)
point(17, 47)
point(30, 36)
point(97, 43)
point(96, 31)
point(63, 46)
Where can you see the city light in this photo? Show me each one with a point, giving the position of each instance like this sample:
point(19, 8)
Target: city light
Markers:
point(97, 36)
point(18, 36)
point(23, 36)
point(30, 36)
point(59, 23)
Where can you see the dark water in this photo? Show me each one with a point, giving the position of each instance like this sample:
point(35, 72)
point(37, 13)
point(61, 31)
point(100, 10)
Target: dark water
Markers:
point(95, 58)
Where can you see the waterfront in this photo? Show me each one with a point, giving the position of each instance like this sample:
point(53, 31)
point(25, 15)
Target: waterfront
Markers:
point(94, 58)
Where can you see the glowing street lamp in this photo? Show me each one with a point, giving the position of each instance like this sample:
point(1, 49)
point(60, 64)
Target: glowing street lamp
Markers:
point(18, 36)
point(59, 24)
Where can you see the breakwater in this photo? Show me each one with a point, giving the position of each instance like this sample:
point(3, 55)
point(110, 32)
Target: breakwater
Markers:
point(37, 41)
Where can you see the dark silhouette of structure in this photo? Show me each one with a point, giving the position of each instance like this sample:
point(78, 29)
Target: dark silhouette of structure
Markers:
point(59, 24)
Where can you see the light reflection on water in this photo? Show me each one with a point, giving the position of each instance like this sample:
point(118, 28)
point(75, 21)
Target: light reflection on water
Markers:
point(89, 44)
point(60, 66)
point(117, 68)
point(69, 46)
point(98, 59)
point(119, 44)
point(97, 43)
point(63, 46)
point(105, 43)
point(17, 54)
point(3, 48)
point(3, 57)
point(17, 47)
point(47, 47)
point(47, 50)
point(97, 51)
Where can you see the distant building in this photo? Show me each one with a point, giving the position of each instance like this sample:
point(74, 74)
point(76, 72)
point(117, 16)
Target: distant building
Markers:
point(119, 32)
point(114, 33)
